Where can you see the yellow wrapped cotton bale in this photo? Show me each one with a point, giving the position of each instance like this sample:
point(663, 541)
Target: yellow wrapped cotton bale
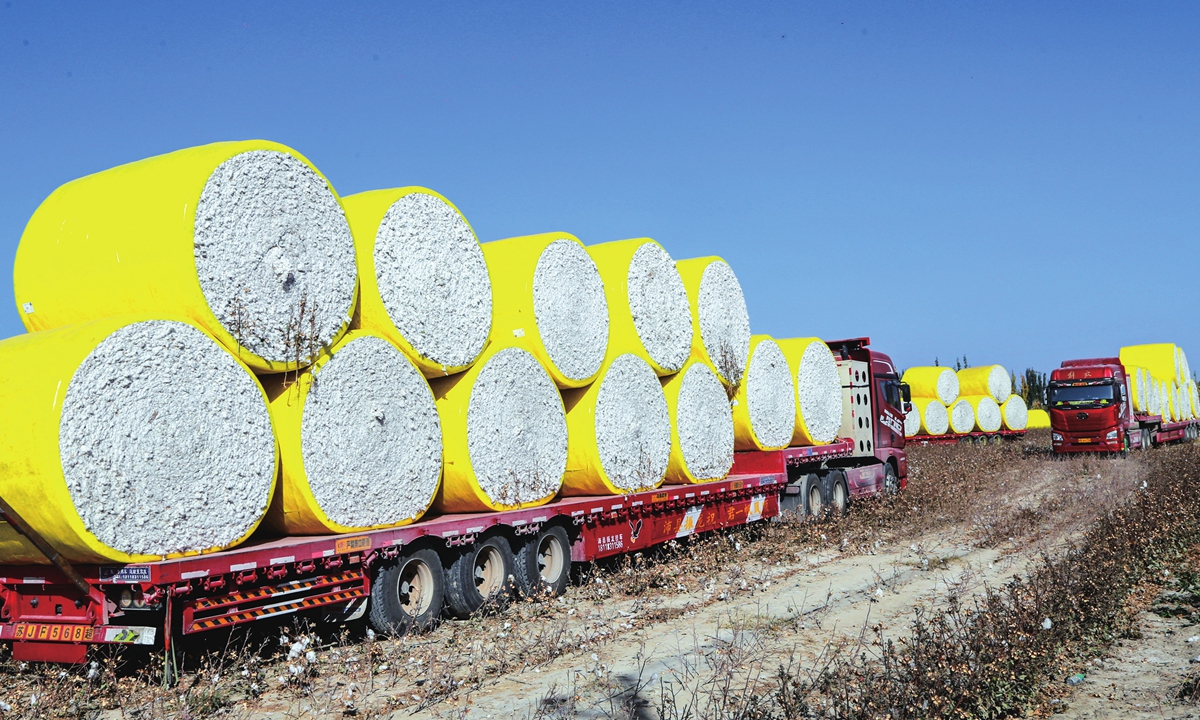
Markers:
point(701, 425)
point(550, 299)
point(647, 303)
point(425, 285)
point(246, 240)
point(1164, 361)
point(359, 438)
point(1015, 413)
point(130, 440)
point(818, 390)
point(719, 316)
point(961, 416)
point(935, 420)
point(932, 382)
point(987, 412)
point(1038, 419)
point(764, 410)
point(504, 434)
point(619, 431)
point(991, 380)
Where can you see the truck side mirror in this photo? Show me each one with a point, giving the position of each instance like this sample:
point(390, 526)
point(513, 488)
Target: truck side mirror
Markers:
point(907, 407)
point(906, 394)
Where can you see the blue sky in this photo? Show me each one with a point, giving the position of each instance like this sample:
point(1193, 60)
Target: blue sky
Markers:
point(1010, 181)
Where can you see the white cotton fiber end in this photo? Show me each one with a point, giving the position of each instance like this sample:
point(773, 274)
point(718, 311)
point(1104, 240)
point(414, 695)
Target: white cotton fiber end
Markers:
point(166, 442)
point(961, 416)
point(633, 427)
point(516, 429)
point(987, 412)
point(433, 280)
point(912, 422)
point(370, 436)
point(570, 309)
point(724, 320)
point(274, 255)
point(1015, 412)
point(659, 305)
point(704, 424)
point(819, 392)
point(769, 394)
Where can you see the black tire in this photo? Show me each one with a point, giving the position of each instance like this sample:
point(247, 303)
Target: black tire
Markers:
point(543, 564)
point(407, 594)
point(815, 501)
point(839, 495)
point(480, 575)
point(891, 481)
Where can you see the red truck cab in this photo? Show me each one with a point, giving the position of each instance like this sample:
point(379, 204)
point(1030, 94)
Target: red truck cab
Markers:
point(1089, 407)
point(873, 406)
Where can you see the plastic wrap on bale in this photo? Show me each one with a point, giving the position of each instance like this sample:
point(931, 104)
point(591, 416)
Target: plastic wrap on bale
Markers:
point(550, 299)
point(246, 240)
point(359, 438)
point(425, 285)
point(131, 439)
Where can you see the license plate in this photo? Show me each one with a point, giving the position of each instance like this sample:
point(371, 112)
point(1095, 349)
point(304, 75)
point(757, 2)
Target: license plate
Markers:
point(1084, 440)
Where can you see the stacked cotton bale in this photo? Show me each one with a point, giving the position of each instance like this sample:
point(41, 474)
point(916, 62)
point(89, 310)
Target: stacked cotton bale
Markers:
point(934, 418)
point(425, 284)
point(818, 387)
point(246, 240)
point(550, 299)
point(131, 439)
point(933, 382)
point(986, 411)
point(360, 440)
point(764, 410)
point(991, 380)
point(701, 425)
point(619, 431)
point(1167, 370)
point(912, 421)
point(719, 317)
point(649, 313)
point(504, 434)
point(1015, 413)
point(961, 416)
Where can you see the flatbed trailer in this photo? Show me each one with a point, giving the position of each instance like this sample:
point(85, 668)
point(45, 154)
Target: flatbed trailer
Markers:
point(405, 578)
point(980, 438)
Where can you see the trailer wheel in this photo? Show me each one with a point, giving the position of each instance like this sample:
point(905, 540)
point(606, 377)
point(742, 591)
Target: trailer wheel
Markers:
point(407, 594)
point(839, 496)
point(543, 565)
point(480, 575)
point(1147, 440)
point(814, 498)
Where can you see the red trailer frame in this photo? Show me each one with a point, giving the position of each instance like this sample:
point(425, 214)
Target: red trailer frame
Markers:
point(975, 437)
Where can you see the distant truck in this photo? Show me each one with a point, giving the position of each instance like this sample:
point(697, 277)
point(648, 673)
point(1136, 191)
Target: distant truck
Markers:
point(1090, 411)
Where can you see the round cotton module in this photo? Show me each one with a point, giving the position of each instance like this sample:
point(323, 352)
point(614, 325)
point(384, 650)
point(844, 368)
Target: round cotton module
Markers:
point(722, 324)
point(246, 239)
point(504, 434)
point(818, 390)
point(131, 440)
point(360, 439)
point(701, 425)
point(1038, 420)
point(961, 416)
point(425, 284)
point(549, 299)
point(647, 303)
point(619, 430)
point(912, 422)
point(935, 419)
point(764, 414)
point(1015, 413)
point(991, 380)
point(986, 411)
point(933, 382)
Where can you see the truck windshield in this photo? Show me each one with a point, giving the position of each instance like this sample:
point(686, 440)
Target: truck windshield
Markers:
point(1076, 395)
